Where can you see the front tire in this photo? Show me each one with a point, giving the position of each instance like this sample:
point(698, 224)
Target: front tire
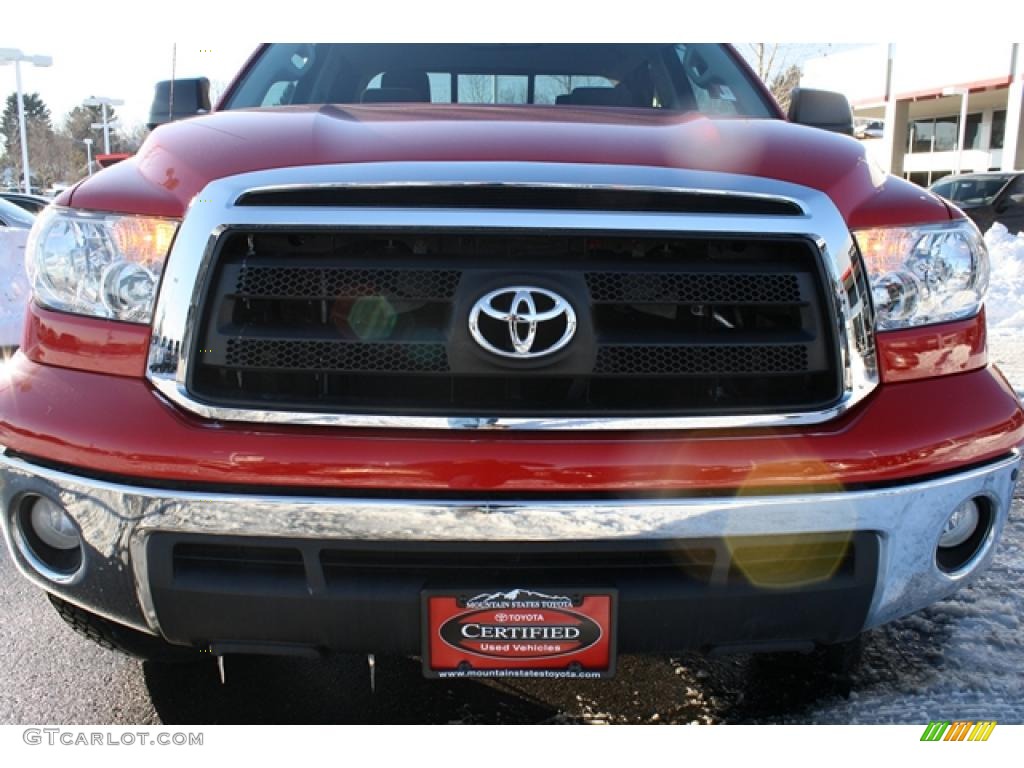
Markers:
point(116, 637)
point(838, 661)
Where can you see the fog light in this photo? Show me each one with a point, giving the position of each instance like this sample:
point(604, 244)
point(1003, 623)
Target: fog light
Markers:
point(965, 535)
point(961, 525)
point(48, 538)
point(53, 526)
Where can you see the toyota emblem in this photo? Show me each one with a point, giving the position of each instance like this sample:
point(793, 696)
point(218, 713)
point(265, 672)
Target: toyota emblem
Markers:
point(522, 322)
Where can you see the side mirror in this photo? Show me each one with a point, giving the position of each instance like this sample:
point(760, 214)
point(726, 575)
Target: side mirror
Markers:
point(177, 99)
point(1009, 201)
point(827, 110)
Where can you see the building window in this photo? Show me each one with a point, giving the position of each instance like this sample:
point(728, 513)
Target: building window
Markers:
point(998, 128)
point(972, 137)
point(926, 178)
point(922, 136)
point(940, 134)
point(946, 130)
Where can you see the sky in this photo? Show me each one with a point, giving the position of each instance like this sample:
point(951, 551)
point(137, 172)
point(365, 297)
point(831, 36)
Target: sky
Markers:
point(128, 71)
point(120, 49)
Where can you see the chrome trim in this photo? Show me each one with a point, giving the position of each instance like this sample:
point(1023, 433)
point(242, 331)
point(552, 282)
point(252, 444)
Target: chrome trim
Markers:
point(417, 183)
point(213, 212)
point(115, 520)
point(19, 540)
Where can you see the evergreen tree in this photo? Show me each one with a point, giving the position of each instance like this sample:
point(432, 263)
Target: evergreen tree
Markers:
point(37, 123)
point(80, 120)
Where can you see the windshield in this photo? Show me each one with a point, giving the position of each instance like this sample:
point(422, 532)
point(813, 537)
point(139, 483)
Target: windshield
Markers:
point(970, 190)
point(13, 216)
point(688, 78)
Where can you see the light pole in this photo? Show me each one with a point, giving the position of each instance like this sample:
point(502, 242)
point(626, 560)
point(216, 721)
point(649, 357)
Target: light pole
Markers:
point(8, 55)
point(961, 134)
point(103, 102)
point(88, 153)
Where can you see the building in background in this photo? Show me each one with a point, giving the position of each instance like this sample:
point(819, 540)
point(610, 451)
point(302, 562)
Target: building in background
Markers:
point(917, 94)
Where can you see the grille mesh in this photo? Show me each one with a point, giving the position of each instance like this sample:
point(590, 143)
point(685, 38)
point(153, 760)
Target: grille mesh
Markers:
point(336, 356)
point(681, 361)
point(320, 283)
point(698, 288)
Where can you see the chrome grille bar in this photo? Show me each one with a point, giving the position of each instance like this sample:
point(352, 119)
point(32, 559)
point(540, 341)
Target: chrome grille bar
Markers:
point(186, 277)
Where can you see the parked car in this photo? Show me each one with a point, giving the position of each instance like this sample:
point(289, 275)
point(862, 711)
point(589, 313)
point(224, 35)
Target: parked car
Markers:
point(31, 203)
point(869, 129)
point(986, 197)
point(14, 288)
point(510, 357)
point(15, 216)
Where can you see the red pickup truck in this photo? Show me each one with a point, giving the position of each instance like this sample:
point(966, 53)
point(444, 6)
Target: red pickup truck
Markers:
point(513, 357)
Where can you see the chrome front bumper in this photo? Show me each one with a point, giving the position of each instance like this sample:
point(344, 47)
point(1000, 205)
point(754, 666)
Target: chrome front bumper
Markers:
point(116, 519)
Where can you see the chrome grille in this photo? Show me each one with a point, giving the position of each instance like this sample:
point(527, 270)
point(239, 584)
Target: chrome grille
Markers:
point(344, 198)
point(377, 322)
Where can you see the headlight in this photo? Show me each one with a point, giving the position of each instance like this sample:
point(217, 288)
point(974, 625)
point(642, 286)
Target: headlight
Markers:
point(103, 265)
point(933, 273)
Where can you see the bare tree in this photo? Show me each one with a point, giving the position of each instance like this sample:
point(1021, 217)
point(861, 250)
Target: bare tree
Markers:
point(512, 90)
point(775, 64)
point(476, 89)
point(783, 83)
point(54, 159)
point(762, 57)
point(132, 137)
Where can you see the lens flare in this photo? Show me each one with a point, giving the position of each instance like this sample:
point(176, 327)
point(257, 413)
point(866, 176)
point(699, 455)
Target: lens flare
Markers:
point(372, 318)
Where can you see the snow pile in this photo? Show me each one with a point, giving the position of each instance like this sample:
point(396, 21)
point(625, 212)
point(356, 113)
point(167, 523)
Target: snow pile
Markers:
point(14, 291)
point(1005, 304)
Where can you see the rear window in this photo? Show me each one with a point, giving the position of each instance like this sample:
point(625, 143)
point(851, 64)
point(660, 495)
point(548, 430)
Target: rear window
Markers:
point(689, 78)
point(480, 88)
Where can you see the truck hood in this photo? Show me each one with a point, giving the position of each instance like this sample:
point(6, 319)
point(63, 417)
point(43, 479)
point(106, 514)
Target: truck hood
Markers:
point(179, 159)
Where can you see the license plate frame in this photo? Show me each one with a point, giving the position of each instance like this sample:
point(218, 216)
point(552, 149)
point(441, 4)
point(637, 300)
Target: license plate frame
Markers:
point(543, 632)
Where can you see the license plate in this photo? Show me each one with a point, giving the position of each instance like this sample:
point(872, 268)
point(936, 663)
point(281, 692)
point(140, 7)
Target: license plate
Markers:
point(544, 633)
